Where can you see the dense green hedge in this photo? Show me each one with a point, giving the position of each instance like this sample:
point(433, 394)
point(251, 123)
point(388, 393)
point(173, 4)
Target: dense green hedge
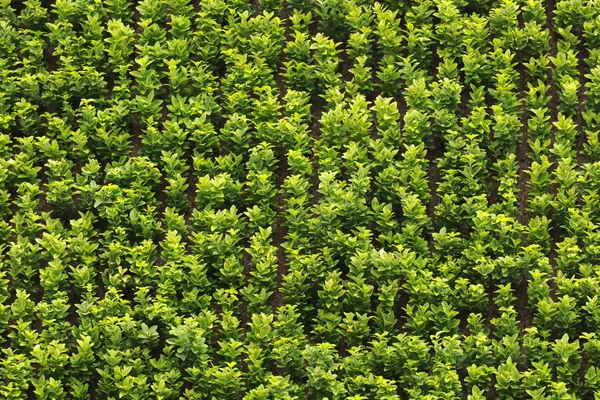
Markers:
point(328, 199)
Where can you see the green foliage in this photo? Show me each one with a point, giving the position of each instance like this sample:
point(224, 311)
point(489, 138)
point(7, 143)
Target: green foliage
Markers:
point(338, 199)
